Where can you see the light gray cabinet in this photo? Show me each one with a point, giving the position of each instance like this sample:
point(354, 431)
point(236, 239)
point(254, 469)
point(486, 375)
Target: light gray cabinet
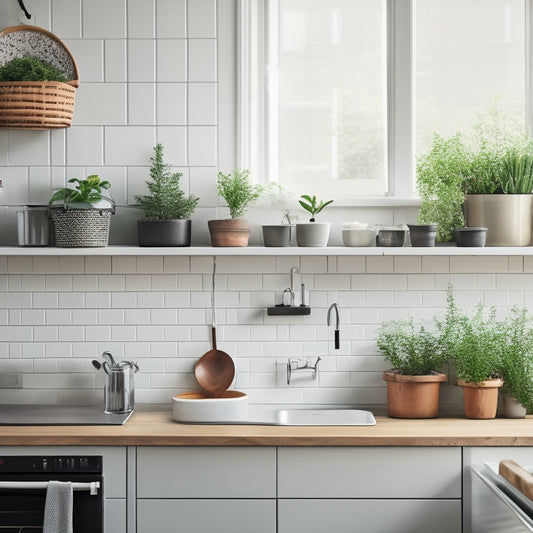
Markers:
point(222, 516)
point(225, 489)
point(369, 516)
point(369, 489)
point(115, 516)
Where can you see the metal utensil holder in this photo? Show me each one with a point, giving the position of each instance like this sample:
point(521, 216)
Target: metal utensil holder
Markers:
point(119, 388)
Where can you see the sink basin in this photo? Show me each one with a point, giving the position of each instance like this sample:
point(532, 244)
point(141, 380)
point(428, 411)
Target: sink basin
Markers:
point(272, 415)
point(324, 417)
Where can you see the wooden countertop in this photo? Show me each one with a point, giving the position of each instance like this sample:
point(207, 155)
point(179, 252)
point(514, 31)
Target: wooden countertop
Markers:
point(158, 429)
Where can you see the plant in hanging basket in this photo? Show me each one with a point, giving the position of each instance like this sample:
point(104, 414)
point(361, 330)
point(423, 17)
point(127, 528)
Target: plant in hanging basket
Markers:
point(81, 215)
point(38, 80)
point(167, 210)
point(416, 356)
point(239, 193)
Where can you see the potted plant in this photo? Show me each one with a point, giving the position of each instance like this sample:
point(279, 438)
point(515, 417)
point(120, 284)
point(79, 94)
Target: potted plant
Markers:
point(312, 233)
point(167, 210)
point(282, 199)
point(517, 364)
point(81, 215)
point(239, 193)
point(415, 356)
point(475, 344)
point(500, 199)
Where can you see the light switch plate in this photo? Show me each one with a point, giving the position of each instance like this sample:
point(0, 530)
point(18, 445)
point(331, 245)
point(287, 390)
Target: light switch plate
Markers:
point(11, 380)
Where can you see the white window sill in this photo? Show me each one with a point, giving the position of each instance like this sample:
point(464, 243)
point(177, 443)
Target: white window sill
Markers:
point(376, 201)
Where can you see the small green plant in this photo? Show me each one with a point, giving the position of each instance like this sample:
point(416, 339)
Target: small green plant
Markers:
point(87, 191)
point(474, 343)
point(311, 204)
point(517, 172)
point(411, 350)
point(237, 190)
point(30, 69)
point(517, 357)
point(439, 178)
point(166, 200)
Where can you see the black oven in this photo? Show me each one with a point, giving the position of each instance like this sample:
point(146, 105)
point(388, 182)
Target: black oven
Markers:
point(23, 483)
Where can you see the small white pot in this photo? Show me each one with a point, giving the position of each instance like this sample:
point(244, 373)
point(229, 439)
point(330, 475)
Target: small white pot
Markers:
point(312, 233)
point(512, 408)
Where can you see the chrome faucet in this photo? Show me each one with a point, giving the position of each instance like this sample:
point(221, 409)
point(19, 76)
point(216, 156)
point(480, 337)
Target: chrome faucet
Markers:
point(335, 307)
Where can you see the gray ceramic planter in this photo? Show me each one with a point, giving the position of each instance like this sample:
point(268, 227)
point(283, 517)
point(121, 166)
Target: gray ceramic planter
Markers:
point(312, 233)
point(277, 234)
point(164, 232)
point(422, 234)
point(474, 237)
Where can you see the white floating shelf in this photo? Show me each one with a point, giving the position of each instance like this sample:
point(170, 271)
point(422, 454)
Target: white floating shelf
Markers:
point(263, 251)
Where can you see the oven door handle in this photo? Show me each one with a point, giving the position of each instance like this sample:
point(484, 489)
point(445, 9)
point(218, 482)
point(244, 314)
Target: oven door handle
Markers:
point(92, 486)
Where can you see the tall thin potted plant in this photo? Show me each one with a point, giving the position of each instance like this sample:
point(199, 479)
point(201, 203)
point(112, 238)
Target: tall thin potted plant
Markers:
point(416, 357)
point(475, 343)
point(239, 193)
point(167, 210)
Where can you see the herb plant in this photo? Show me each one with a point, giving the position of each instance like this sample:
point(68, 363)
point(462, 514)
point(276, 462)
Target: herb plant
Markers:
point(411, 350)
point(517, 172)
point(474, 343)
point(166, 200)
point(30, 69)
point(517, 357)
point(237, 191)
point(311, 204)
point(88, 191)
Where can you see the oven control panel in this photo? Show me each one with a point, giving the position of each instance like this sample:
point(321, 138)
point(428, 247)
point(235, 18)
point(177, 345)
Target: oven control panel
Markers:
point(51, 464)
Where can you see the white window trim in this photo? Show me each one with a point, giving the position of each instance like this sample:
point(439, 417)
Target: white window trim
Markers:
point(253, 129)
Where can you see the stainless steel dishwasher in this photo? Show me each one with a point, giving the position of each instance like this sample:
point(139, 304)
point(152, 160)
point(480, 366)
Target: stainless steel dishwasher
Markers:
point(497, 507)
point(23, 483)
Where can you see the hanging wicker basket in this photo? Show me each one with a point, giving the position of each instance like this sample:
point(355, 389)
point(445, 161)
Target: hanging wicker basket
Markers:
point(75, 228)
point(37, 105)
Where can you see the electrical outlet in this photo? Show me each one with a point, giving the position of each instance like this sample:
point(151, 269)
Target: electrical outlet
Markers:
point(11, 380)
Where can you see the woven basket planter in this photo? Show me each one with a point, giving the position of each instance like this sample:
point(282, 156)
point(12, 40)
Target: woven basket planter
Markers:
point(75, 228)
point(37, 105)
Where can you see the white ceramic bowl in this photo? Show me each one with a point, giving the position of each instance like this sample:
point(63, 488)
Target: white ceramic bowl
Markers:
point(358, 236)
point(197, 407)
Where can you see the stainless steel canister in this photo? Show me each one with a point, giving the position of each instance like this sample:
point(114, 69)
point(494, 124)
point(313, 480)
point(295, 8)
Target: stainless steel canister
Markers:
point(32, 225)
point(119, 387)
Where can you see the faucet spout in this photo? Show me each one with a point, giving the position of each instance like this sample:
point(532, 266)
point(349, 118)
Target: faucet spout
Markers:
point(335, 307)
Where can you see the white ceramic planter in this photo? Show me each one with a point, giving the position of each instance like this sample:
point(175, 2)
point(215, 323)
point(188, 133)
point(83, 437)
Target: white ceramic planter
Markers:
point(197, 407)
point(312, 233)
point(512, 408)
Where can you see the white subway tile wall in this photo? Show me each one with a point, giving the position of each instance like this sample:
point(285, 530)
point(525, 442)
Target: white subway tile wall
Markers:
point(57, 314)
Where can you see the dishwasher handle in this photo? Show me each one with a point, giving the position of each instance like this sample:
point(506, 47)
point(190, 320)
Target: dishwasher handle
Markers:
point(92, 486)
point(517, 476)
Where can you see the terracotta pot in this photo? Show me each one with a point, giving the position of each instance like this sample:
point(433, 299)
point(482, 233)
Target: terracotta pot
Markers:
point(229, 232)
point(413, 396)
point(480, 399)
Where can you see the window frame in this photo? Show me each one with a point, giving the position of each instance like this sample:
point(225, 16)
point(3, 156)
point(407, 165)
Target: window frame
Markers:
point(253, 77)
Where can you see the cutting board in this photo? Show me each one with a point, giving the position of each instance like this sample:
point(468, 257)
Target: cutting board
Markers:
point(520, 478)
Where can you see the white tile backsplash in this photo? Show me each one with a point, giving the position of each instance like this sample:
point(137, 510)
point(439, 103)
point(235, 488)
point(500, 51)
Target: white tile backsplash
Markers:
point(149, 73)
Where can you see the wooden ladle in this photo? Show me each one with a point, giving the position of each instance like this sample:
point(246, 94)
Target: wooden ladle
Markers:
point(215, 370)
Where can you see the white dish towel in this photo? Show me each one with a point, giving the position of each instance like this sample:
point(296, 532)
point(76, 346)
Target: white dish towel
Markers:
point(58, 507)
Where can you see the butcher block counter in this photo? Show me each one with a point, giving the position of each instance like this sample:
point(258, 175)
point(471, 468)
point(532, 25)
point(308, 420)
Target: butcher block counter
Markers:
point(157, 428)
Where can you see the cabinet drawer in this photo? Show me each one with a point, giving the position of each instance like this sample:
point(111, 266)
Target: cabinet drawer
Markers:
point(369, 516)
point(222, 516)
point(369, 472)
point(206, 472)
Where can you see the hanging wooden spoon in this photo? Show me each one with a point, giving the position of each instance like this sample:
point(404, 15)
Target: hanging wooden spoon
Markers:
point(215, 370)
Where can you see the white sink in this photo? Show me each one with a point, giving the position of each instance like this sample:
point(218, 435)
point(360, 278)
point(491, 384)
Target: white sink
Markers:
point(324, 417)
point(275, 415)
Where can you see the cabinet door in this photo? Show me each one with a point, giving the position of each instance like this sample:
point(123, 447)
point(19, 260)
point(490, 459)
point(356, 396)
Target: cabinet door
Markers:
point(115, 516)
point(369, 516)
point(199, 516)
point(206, 472)
point(369, 472)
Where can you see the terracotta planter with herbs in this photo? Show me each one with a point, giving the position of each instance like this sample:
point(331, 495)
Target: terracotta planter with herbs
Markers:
point(480, 399)
point(413, 396)
point(229, 232)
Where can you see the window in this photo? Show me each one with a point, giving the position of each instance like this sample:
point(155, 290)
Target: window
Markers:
point(340, 96)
